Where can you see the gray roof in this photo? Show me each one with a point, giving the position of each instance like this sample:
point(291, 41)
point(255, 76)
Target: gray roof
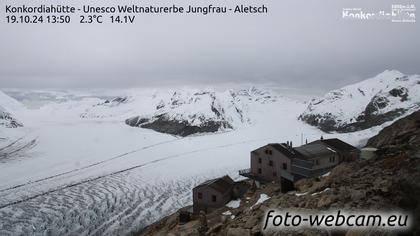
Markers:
point(222, 184)
point(313, 150)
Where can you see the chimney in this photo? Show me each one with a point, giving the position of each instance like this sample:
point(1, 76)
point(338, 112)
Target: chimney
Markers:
point(322, 137)
point(306, 141)
point(291, 144)
point(287, 143)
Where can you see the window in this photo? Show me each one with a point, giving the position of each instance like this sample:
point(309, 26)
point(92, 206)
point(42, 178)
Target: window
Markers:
point(284, 166)
point(268, 152)
point(200, 195)
point(316, 162)
point(213, 198)
point(274, 174)
point(259, 160)
point(259, 171)
point(270, 163)
point(332, 159)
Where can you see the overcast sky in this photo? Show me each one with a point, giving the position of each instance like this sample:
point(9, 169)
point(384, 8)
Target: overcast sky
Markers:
point(299, 43)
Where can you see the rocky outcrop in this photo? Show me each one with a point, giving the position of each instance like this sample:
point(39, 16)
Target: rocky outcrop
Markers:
point(386, 97)
point(402, 136)
point(381, 184)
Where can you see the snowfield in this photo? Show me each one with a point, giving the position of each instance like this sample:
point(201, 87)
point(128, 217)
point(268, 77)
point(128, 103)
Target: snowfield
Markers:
point(76, 168)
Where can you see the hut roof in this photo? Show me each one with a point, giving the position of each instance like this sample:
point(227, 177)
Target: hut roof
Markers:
point(222, 184)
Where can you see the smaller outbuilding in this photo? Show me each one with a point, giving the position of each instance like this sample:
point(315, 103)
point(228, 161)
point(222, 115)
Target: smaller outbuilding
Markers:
point(213, 194)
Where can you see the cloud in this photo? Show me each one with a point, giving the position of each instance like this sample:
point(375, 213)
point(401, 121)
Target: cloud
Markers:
point(298, 43)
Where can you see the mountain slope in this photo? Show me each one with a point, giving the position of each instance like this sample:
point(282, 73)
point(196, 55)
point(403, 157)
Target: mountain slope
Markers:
point(389, 182)
point(184, 111)
point(385, 97)
point(402, 135)
point(8, 105)
point(187, 113)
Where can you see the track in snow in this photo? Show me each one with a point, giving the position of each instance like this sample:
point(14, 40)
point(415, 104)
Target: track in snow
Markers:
point(117, 203)
point(85, 167)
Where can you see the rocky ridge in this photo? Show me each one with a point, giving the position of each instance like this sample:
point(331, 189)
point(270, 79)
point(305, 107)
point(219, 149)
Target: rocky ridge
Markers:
point(383, 98)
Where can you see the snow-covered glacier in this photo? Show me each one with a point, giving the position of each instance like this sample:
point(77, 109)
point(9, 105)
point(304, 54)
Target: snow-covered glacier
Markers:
point(86, 172)
point(372, 102)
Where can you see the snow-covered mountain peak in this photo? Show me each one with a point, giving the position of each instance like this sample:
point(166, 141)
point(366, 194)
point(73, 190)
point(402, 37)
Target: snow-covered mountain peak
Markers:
point(368, 103)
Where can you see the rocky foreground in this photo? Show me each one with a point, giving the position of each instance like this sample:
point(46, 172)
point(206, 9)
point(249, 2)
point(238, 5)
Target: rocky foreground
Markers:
point(389, 181)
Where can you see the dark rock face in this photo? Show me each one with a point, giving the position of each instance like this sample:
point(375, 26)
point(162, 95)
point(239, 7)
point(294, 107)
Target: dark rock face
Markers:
point(164, 124)
point(400, 92)
point(8, 120)
point(372, 102)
